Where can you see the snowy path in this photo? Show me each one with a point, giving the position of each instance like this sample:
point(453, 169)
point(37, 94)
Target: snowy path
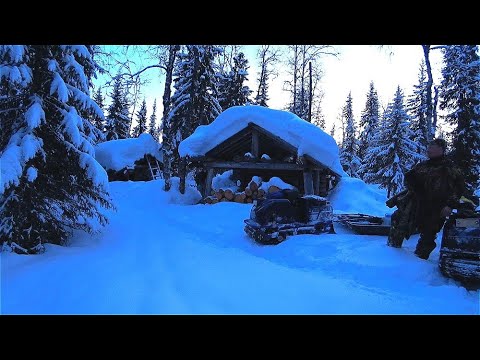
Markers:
point(159, 258)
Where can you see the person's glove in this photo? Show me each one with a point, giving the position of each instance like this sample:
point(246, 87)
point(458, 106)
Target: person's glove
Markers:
point(446, 211)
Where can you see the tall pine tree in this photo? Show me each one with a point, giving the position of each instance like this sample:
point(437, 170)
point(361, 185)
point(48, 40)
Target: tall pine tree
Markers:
point(460, 97)
point(393, 152)
point(118, 120)
point(231, 89)
point(369, 122)
point(417, 107)
point(348, 155)
point(141, 121)
point(98, 98)
point(194, 102)
point(50, 181)
point(153, 129)
point(268, 56)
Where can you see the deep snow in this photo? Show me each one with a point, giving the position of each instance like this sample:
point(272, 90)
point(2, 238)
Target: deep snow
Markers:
point(158, 256)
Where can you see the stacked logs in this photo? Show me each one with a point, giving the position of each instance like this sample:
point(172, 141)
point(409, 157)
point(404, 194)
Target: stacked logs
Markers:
point(252, 192)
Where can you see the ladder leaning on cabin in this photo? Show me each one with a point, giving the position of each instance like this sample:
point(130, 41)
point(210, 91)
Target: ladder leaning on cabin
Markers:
point(154, 168)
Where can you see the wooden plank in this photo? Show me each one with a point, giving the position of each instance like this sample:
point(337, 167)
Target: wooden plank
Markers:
point(208, 182)
point(316, 182)
point(226, 144)
point(255, 143)
point(252, 165)
point(308, 182)
point(282, 143)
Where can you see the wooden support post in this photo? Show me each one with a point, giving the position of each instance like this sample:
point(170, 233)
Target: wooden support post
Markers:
point(308, 181)
point(254, 144)
point(324, 185)
point(316, 182)
point(208, 183)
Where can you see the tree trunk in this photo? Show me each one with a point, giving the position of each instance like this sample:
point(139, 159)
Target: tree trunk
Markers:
point(311, 94)
point(295, 80)
point(182, 173)
point(429, 112)
point(302, 90)
point(262, 74)
point(435, 102)
point(166, 135)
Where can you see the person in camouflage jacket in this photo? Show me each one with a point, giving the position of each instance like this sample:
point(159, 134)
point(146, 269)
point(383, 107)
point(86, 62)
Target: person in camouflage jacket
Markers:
point(433, 188)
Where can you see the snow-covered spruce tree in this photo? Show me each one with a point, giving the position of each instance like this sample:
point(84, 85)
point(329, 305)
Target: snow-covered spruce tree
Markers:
point(153, 129)
point(369, 121)
point(348, 153)
point(460, 97)
point(50, 181)
point(194, 102)
point(393, 152)
point(118, 120)
point(417, 108)
point(231, 88)
point(141, 121)
point(371, 165)
point(98, 98)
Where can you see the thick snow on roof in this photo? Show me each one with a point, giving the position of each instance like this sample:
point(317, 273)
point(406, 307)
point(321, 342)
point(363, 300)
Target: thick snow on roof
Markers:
point(118, 154)
point(306, 137)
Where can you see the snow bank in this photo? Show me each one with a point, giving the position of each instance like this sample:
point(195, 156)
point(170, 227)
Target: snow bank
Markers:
point(306, 137)
point(352, 195)
point(191, 197)
point(118, 154)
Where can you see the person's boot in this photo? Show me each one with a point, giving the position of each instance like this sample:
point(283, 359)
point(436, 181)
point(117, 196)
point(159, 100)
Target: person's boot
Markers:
point(425, 245)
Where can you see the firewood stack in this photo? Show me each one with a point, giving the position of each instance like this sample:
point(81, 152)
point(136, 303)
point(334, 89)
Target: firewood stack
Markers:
point(253, 191)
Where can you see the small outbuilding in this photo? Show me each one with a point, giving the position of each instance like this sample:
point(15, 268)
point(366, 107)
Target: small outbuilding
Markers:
point(258, 141)
point(137, 159)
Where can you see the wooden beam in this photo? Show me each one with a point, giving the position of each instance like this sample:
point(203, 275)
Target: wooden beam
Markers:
point(308, 182)
point(255, 143)
point(227, 143)
point(279, 140)
point(319, 164)
point(316, 182)
point(253, 165)
point(208, 182)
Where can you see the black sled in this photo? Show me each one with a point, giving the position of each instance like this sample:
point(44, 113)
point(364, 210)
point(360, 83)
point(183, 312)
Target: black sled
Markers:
point(460, 248)
point(285, 213)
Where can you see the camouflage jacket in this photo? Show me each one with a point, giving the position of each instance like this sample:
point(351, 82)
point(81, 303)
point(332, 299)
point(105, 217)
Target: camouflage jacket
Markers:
point(436, 183)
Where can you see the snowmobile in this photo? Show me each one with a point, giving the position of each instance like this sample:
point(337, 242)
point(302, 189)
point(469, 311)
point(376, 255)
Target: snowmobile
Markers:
point(284, 213)
point(460, 247)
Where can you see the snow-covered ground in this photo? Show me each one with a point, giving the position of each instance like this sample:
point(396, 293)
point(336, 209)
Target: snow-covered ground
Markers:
point(160, 257)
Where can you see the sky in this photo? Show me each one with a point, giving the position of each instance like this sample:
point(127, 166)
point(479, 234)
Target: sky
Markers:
point(352, 71)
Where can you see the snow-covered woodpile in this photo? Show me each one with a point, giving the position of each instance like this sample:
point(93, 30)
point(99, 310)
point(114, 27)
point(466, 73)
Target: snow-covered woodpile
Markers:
point(255, 189)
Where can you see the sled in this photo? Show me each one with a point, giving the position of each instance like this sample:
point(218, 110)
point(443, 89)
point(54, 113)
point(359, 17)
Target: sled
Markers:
point(364, 224)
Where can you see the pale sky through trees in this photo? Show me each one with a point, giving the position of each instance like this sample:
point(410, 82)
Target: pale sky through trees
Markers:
point(352, 70)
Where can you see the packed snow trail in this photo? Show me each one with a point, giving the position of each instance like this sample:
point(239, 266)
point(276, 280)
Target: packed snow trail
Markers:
point(160, 258)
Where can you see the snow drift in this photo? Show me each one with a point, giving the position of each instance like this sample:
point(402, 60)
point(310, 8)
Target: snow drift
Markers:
point(352, 195)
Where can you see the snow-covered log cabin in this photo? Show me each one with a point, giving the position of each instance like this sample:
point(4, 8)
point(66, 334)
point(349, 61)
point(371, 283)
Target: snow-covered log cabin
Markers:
point(137, 159)
point(258, 141)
